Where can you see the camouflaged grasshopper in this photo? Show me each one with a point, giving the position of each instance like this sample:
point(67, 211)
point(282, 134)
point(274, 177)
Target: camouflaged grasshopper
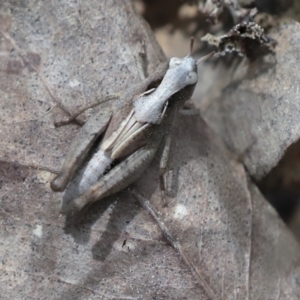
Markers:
point(130, 139)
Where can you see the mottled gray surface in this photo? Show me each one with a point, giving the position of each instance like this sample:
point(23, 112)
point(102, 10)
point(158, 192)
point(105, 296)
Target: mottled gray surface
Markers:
point(234, 240)
point(259, 116)
point(76, 53)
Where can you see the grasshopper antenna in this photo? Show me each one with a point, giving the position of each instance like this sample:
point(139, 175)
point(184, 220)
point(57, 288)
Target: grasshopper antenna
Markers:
point(191, 46)
point(209, 55)
point(205, 57)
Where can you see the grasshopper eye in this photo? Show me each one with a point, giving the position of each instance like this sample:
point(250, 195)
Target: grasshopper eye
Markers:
point(174, 62)
point(192, 78)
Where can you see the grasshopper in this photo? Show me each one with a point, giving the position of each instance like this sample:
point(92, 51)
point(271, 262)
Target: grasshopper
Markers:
point(130, 137)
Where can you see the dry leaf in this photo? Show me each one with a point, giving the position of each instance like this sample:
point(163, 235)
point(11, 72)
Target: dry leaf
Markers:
point(258, 117)
point(232, 244)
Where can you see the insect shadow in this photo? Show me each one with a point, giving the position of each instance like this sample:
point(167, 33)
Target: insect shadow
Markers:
point(116, 208)
point(123, 213)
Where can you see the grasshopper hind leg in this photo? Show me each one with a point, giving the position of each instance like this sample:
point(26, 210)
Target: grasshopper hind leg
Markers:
point(80, 149)
point(73, 117)
point(87, 176)
point(120, 177)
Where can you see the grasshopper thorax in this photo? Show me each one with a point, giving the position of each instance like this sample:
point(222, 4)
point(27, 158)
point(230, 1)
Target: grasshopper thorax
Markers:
point(182, 72)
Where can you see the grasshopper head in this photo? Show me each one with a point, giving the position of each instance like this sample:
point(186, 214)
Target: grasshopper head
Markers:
point(185, 69)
